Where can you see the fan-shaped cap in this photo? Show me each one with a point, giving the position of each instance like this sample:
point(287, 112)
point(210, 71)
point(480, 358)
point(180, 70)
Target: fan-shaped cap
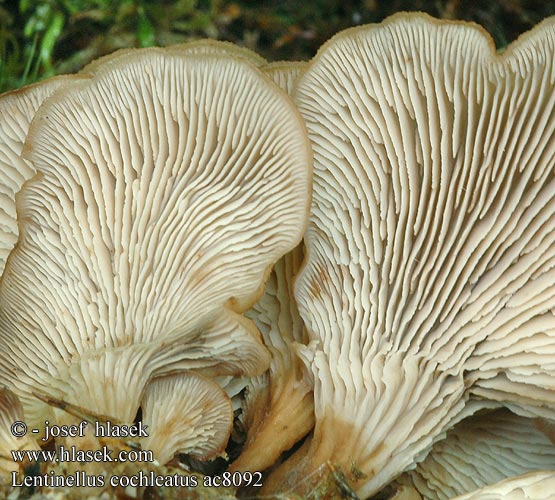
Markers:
point(532, 486)
point(431, 239)
point(11, 412)
point(186, 413)
point(169, 185)
point(17, 109)
point(481, 450)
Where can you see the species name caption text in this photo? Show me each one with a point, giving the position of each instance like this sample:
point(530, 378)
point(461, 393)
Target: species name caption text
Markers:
point(105, 455)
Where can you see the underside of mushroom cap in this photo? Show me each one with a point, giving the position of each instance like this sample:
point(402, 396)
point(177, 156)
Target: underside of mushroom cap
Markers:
point(285, 73)
point(431, 232)
point(17, 109)
point(481, 450)
point(168, 186)
point(186, 413)
point(532, 486)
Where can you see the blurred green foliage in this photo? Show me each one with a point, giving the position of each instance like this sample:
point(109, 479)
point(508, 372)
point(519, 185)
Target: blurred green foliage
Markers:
point(42, 38)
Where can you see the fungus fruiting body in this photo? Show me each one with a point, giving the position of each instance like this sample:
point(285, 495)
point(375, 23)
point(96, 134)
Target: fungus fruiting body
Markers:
point(532, 486)
point(160, 191)
point(168, 185)
point(17, 109)
point(481, 450)
point(431, 243)
point(186, 413)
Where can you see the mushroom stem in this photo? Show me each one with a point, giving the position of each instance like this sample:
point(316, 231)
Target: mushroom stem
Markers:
point(279, 409)
point(370, 451)
point(280, 427)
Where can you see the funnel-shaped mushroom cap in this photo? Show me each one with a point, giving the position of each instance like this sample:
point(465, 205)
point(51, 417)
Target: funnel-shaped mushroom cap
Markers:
point(532, 486)
point(482, 450)
point(168, 186)
point(431, 240)
point(17, 109)
point(186, 413)
point(11, 412)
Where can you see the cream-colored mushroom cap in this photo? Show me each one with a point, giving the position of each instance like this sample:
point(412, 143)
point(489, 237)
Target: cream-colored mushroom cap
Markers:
point(532, 486)
point(431, 242)
point(168, 186)
point(481, 450)
point(186, 413)
point(220, 48)
point(17, 109)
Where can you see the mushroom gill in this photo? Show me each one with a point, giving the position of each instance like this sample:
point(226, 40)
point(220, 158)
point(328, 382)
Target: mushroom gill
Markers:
point(427, 292)
point(483, 449)
point(186, 413)
point(532, 486)
point(17, 109)
point(168, 185)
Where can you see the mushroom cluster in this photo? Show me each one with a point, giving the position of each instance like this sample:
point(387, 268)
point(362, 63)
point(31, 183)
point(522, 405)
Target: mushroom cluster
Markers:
point(151, 214)
point(161, 187)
